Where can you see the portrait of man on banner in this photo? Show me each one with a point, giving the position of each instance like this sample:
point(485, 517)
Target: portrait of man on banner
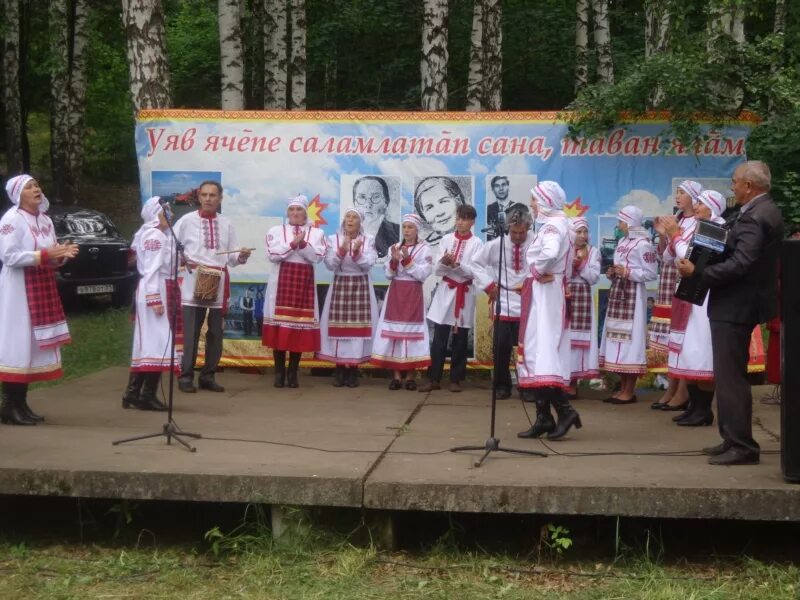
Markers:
point(503, 193)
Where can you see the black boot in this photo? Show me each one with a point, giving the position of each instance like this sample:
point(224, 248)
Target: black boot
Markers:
point(701, 414)
point(9, 409)
point(149, 398)
point(291, 374)
point(26, 409)
point(567, 416)
point(339, 376)
point(280, 368)
point(351, 378)
point(544, 420)
point(689, 408)
point(131, 396)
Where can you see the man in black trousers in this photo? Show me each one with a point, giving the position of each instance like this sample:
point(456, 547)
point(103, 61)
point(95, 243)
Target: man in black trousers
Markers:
point(743, 293)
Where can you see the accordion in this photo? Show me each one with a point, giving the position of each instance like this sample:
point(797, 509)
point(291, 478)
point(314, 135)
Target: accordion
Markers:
point(708, 245)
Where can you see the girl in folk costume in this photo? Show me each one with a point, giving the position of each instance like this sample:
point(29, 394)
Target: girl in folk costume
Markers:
point(680, 230)
point(583, 321)
point(690, 356)
point(622, 345)
point(152, 337)
point(401, 336)
point(291, 314)
point(33, 323)
point(350, 310)
point(543, 359)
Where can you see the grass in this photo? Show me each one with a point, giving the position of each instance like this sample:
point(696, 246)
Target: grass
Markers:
point(100, 339)
point(339, 570)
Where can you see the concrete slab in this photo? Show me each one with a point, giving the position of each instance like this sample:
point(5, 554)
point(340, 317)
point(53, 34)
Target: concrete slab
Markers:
point(318, 445)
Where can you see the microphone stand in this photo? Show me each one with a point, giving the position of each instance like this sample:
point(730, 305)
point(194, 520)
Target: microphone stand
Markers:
point(492, 444)
point(170, 429)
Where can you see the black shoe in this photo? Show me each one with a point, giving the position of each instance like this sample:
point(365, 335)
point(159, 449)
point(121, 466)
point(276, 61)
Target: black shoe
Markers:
point(630, 400)
point(291, 372)
point(657, 405)
point(131, 396)
point(186, 386)
point(697, 419)
point(544, 424)
point(338, 376)
point(351, 377)
point(149, 398)
point(735, 456)
point(10, 413)
point(503, 393)
point(411, 384)
point(676, 407)
point(717, 450)
point(210, 385)
point(28, 412)
point(395, 384)
point(567, 416)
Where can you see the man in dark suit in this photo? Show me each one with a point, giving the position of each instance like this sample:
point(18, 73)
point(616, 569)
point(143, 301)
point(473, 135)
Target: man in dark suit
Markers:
point(500, 188)
point(743, 293)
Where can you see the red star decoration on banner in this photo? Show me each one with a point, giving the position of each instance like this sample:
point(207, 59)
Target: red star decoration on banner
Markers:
point(576, 208)
point(315, 210)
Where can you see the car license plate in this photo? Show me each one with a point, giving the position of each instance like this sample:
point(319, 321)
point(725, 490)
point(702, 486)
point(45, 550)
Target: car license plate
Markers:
point(106, 288)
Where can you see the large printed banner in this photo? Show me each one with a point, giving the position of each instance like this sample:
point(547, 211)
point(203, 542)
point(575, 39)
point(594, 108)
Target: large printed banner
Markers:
point(391, 163)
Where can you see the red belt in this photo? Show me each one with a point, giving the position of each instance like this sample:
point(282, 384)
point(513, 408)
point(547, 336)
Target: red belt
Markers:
point(461, 287)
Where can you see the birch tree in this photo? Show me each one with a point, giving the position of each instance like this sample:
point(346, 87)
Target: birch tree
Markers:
point(657, 19)
point(231, 55)
point(298, 56)
point(275, 55)
point(11, 91)
point(68, 21)
point(581, 44)
point(143, 21)
point(475, 77)
point(493, 54)
point(433, 66)
point(725, 23)
point(780, 17)
point(602, 42)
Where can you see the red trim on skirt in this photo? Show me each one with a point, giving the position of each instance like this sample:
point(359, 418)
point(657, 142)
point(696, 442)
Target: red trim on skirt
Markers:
point(288, 339)
point(31, 377)
point(401, 366)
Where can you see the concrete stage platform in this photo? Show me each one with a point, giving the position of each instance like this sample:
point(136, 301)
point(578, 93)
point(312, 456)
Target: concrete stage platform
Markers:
point(369, 447)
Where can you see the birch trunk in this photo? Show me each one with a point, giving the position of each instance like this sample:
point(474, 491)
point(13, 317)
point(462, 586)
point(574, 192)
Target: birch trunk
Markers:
point(298, 55)
point(58, 23)
point(493, 55)
point(780, 16)
point(475, 78)
point(656, 36)
point(77, 90)
point(602, 42)
point(143, 21)
point(11, 92)
point(657, 19)
point(230, 52)
point(275, 58)
point(725, 21)
point(581, 44)
point(433, 66)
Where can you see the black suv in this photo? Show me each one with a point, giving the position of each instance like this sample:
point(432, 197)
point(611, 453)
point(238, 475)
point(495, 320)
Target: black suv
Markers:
point(106, 264)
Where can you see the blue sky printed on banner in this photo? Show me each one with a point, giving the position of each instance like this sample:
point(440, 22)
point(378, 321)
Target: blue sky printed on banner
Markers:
point(257, 184)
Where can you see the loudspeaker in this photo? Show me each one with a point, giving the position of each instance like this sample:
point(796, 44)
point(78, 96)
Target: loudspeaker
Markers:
point(790, 360)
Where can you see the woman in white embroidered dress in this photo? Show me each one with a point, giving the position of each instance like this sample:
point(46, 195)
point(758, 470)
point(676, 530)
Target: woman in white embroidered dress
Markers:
point(583, 316)
point(622, 345)
point(152, 336)
point(291, 312)
point(32, 322)
point(401, 337)
point(674, 230)
point(543, 356)
point(350, 311)
point(690, 356)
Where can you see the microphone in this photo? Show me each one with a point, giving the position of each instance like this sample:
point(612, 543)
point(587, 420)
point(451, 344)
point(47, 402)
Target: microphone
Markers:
point(498, 225)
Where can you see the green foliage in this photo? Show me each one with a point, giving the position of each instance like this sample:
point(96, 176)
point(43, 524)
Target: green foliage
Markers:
point(110, 150)
point(193, 53)
point(556, 538)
